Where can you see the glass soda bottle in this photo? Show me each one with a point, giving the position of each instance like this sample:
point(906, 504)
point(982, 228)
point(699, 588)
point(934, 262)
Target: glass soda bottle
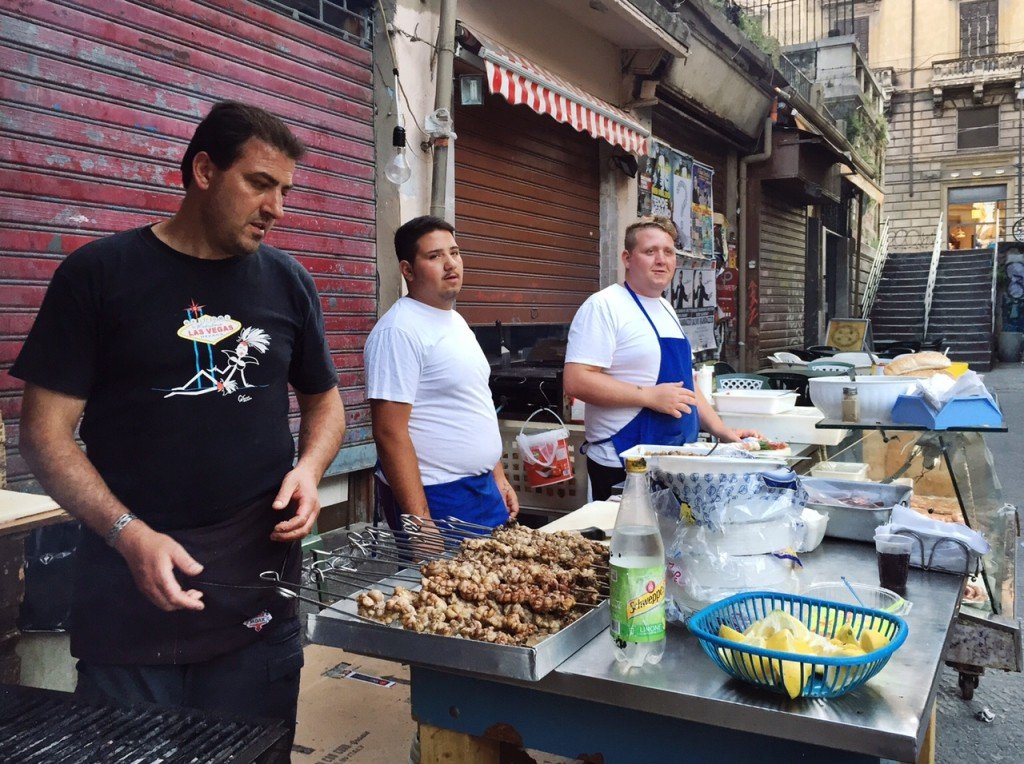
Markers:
point(637, 574)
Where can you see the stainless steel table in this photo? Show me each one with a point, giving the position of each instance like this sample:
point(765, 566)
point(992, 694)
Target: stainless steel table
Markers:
point(686, 709)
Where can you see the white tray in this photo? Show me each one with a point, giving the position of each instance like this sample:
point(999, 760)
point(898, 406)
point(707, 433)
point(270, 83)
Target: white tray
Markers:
point(755, 401)
point(794, 426)
point(667, 458)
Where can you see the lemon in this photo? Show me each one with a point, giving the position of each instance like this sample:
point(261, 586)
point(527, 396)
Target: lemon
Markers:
point(755, 666)
point(728, 632)
point(846, 635)
point(871, 640)
point(792, 678)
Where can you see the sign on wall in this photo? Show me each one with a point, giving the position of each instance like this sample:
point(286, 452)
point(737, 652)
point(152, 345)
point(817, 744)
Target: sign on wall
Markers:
point(665, 180)
point(703, 228)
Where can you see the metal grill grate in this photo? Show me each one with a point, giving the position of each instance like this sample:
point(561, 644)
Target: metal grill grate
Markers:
point(39, 726)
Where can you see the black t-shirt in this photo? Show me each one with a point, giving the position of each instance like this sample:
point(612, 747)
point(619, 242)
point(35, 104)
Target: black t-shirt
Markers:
point(184, 365)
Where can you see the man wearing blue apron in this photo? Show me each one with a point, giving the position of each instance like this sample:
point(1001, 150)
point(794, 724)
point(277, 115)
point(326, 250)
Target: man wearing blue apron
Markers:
point(630, 362)
point(434, 422)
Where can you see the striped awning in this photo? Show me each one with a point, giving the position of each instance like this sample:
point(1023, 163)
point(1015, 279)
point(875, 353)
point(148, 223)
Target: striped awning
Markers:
point(520, 81)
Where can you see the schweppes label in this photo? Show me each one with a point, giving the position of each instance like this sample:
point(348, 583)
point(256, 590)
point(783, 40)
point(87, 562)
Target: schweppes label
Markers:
point(647, 600)
point(637, 604)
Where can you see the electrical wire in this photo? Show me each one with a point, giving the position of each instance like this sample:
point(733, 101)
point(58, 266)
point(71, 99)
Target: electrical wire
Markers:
point(394, 64)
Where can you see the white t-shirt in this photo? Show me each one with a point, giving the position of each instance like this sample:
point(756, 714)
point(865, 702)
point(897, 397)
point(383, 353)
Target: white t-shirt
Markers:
point(430, 358)
point(610, 331)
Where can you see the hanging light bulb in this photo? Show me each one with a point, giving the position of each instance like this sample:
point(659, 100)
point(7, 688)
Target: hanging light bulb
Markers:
point(398, 170)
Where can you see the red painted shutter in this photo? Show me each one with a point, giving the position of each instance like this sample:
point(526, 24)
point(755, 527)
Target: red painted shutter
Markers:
point(100, 99)
point(526, 211)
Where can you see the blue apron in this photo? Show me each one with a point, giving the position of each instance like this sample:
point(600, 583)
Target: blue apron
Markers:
point(475, 499)
point(652, 427)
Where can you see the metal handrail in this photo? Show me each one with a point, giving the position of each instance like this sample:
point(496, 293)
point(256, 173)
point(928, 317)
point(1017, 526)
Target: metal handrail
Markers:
point(867, 300)
point(995, 268)
point(933, 269)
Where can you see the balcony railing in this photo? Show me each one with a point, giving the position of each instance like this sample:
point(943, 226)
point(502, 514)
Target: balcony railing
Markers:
point(792, 22)
point(977, 70)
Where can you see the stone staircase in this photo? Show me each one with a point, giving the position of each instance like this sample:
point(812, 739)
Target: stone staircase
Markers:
point(961, 303)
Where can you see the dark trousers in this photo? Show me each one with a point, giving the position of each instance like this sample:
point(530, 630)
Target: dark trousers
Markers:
point(603, 478)
point(259, 680)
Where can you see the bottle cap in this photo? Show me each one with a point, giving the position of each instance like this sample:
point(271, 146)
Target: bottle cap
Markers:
point(636, 464)
point(849, 391)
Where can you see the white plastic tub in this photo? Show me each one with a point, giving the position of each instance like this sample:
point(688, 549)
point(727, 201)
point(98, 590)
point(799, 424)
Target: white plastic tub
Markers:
point(794, 426)
point(755, 401)
point(840, 470)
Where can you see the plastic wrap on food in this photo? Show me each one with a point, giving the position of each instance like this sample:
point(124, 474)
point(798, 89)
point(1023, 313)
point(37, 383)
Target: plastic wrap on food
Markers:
point(714, 500)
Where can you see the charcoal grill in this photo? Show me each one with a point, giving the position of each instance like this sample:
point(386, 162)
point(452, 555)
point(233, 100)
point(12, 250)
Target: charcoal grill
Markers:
point(47, 727)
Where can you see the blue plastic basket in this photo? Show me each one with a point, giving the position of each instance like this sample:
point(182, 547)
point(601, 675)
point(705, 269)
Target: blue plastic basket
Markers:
point(820, 677)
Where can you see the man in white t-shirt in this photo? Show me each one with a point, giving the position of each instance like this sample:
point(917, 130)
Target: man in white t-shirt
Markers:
point(434, 422)
point(630, 362)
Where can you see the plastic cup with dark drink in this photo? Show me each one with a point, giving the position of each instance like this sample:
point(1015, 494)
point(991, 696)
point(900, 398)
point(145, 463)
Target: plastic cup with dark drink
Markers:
point(893, 561)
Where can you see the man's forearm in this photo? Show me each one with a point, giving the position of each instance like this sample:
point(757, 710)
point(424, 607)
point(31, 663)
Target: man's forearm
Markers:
point(601, 389)
point(711, 423)
point(71, 480)
point(402, 470)
point(321, 430)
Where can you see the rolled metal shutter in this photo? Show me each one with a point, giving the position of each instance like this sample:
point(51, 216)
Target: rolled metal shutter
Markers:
point(782, 269)
point(100, 100)
point(526, 211)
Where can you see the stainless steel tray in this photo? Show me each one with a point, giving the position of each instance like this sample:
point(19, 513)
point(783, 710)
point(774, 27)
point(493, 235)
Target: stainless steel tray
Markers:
point(855, 523)
point(337, 626)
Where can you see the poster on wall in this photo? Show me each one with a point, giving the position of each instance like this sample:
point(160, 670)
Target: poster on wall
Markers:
point(699, 326)
point(703, 227)
point(665, 189)
point(693, 294)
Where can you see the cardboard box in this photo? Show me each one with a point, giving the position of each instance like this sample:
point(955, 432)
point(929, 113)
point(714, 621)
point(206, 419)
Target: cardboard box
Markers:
point(349, 719)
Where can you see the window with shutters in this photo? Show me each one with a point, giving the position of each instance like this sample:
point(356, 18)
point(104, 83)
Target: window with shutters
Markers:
point(858, 27)
point(977, 128)
point(979, 28)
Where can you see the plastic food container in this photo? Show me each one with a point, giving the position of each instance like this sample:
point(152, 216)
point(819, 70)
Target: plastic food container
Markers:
point(814, 524)
point(875, 394)
point(819, 677)
point(794, 426)
point(872, 596)
point(755, 401)
point(827, 495)
point(840, 470)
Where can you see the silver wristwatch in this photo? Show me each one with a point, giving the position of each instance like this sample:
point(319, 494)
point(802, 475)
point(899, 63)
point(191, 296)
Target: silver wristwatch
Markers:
point(119, 525)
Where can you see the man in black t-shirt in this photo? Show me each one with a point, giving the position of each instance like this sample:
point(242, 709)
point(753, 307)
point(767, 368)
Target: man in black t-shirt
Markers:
point(176, 344)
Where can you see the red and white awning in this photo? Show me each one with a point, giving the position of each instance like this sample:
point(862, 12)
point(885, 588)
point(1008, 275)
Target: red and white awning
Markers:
point(520, 81)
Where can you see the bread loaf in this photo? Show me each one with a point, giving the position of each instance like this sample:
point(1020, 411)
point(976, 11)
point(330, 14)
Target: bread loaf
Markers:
point(909, 365)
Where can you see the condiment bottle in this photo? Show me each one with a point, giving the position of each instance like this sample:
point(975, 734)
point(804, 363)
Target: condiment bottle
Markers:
point(851, 406)
point(637, 573)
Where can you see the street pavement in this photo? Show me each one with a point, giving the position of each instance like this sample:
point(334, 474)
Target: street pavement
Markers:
point(962, 735)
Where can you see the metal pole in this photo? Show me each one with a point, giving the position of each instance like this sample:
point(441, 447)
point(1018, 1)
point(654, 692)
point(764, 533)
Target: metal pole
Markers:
point(1020, 136)
point(443, 100)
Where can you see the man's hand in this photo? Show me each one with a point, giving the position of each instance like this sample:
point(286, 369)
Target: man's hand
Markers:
point(741, 434)
point(670, 398)
point(299, 488)
point(152, 558)
point(508, 495)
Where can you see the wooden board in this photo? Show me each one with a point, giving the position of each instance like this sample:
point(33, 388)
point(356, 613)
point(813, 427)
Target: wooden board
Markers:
point(24, 511)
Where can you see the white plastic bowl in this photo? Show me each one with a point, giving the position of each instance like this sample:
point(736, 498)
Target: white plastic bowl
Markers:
point(875, 395)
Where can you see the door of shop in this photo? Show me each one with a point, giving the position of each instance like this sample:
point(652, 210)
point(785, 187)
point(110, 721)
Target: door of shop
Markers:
point(100, 101)
point(783, 272)
point(527, 214)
